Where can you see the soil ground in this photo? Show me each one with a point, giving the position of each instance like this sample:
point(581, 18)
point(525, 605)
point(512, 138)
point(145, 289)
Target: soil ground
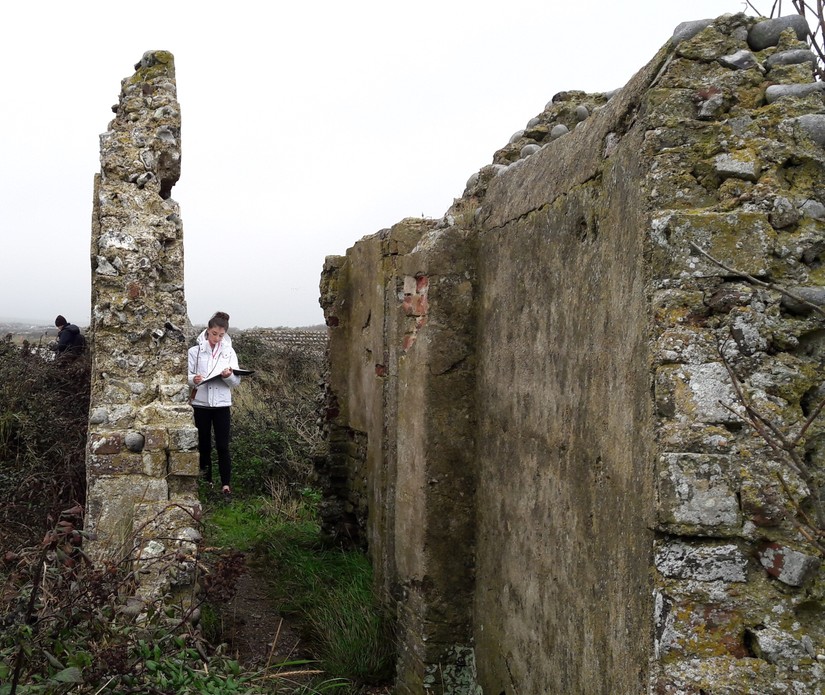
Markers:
point(255, 634)
point(259, 638)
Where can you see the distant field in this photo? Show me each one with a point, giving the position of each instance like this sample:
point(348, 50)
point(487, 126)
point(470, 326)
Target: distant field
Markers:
point(34, 334)
point(45, 334)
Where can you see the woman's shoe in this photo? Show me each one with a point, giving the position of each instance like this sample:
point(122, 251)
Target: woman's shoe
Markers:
point(227, 493)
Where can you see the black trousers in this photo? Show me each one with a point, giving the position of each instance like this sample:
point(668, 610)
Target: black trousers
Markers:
point(207, 419)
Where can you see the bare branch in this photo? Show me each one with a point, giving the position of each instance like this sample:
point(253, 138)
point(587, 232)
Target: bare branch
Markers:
point(808, 422)
point(817, 34)
point(756, 281)
point(750, 4)
point(812, 532)
point(764, 428)
point(786, 448)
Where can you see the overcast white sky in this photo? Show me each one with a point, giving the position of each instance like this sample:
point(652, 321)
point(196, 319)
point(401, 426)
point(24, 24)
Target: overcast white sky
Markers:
point(306, 125)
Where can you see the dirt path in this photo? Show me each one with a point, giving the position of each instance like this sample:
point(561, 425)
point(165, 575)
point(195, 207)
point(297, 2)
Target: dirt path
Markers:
point(259, 638)
point(255, 634)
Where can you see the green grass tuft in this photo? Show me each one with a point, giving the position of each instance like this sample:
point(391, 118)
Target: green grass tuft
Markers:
point(327, 590)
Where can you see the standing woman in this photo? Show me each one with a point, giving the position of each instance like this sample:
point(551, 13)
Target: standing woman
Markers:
point(212, 361)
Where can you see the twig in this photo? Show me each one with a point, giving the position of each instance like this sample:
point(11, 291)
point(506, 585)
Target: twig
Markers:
point(781, 444)
point(808, 422)
point(757, 425)
point(103, 687)
point(797, 510)
point(274, 644)
point(36, 582)
point(816, 41)
point(287, 674)
point(756, 281)
point(289, 655)
point(807, 529)
point(750, 4)
point(760, 424)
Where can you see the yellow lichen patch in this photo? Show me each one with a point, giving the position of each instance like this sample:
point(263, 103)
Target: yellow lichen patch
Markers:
point(708, 45)
point(805, 176)
point(816, 276)
point(800, 73)
point(749, 98)
point(709, 631)
point(733, 192)
point(728, 243)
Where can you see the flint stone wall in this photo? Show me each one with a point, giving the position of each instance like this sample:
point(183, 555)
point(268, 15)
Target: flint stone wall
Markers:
point(142, 461)
point(531, 424)
point(306, 341)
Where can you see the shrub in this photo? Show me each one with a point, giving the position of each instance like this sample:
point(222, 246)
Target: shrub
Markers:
point(43, 427)
point(274, 419)
point(70, 625)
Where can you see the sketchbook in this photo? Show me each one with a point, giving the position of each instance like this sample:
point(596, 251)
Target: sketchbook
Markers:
point(239, 372)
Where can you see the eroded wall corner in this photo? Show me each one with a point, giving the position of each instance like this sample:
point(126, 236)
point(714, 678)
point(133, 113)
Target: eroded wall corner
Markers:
point(141, 457)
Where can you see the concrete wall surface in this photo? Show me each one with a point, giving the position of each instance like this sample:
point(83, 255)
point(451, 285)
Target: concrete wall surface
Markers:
point(565, 440)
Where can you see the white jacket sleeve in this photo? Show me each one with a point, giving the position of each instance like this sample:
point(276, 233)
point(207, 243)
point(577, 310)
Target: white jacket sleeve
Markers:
point(233, 379)
point(193, 366)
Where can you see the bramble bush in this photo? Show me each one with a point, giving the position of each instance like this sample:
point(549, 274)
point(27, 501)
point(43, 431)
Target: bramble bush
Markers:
point(274, 429)
point(43, 425)
point(71, 625)
point(68, 625)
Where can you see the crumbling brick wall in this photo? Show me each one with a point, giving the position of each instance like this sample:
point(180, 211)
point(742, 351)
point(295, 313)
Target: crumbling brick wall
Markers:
point(537, 404)
point(141, 460)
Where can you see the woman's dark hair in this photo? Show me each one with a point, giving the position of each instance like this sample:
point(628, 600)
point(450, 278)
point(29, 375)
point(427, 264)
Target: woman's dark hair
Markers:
point(220, 319)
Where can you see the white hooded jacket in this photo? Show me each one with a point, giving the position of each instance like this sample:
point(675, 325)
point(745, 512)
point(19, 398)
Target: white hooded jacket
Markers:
point(216, 393)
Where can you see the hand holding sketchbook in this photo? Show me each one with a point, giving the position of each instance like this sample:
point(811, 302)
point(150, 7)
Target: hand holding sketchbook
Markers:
point(239, 372)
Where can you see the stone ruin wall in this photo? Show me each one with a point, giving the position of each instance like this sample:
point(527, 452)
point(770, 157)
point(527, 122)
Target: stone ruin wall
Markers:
point(142, 462)
point(308, 342)
point(531, 424)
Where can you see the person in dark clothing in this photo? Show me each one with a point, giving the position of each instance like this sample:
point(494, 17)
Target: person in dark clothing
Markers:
point(70, 340)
